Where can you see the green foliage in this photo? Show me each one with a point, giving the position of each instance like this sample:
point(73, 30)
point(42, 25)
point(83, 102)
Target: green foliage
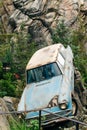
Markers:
point(16, 53)
point(34, 125)
point(3, 49)
point(8, 56)
point(7, 88)
point(23, 51)
point(79, 38)
point(61, 34)
point(22, 125)
point(80, 57)
point(17, 125)
point(7, 84)
point(1, 68)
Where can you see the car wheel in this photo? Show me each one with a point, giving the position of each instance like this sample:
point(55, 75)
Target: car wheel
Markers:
point(74, 108)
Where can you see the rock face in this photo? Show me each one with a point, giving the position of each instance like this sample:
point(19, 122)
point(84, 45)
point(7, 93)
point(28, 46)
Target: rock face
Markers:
point(7, 104)
point(6, 10)
point(40, 17)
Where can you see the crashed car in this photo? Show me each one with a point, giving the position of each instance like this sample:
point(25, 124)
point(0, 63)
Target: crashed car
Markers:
point(49, 85)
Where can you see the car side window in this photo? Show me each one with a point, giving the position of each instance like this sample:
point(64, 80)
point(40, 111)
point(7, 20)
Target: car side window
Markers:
point(61, 60)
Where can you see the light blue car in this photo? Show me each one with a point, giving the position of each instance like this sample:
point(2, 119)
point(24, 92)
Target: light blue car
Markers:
point(49, 84)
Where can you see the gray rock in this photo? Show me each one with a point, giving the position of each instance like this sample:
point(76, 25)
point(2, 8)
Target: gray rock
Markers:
point(47, 13)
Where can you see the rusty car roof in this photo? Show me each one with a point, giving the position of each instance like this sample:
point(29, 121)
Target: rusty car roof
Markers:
point(44, 56)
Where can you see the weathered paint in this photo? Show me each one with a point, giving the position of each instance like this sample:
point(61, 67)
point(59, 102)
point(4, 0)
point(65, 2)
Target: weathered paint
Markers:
point(37, 96)
point(67, 85)
point(44, 56)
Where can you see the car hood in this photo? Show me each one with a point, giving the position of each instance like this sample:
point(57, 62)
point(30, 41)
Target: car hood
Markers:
point(37, 96)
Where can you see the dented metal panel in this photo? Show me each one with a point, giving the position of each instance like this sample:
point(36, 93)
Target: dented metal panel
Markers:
point(50, 93)
point(38, 95)
point(67, 84)
point(44, 56)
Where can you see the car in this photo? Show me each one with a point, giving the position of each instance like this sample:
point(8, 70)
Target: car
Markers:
point(49, 85)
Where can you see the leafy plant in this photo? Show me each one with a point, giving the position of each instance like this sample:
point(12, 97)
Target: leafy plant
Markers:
point(22, 52)
point(22, 125)
point(16, 53)
point(61, 34)
point(34, 125)
point(7, 88)
point(79, 38)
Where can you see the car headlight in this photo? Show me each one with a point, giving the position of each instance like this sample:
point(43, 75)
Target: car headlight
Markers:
point(63, 106)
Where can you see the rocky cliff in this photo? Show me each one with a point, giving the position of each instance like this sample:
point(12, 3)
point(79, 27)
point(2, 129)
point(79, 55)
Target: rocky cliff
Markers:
point(40, 17)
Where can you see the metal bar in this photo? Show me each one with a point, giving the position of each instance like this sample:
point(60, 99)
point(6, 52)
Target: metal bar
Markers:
point(77, 126)
point(19, 112)
point(67, 118)
point(39, 119)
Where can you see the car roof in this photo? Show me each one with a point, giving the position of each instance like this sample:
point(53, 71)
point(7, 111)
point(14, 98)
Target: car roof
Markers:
point(44, 56)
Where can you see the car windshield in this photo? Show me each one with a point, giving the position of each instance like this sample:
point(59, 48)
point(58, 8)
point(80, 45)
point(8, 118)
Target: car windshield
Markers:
point(43, 73)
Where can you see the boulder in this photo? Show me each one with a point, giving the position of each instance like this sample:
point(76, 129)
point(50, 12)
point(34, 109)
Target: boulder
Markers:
point(41, 15)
